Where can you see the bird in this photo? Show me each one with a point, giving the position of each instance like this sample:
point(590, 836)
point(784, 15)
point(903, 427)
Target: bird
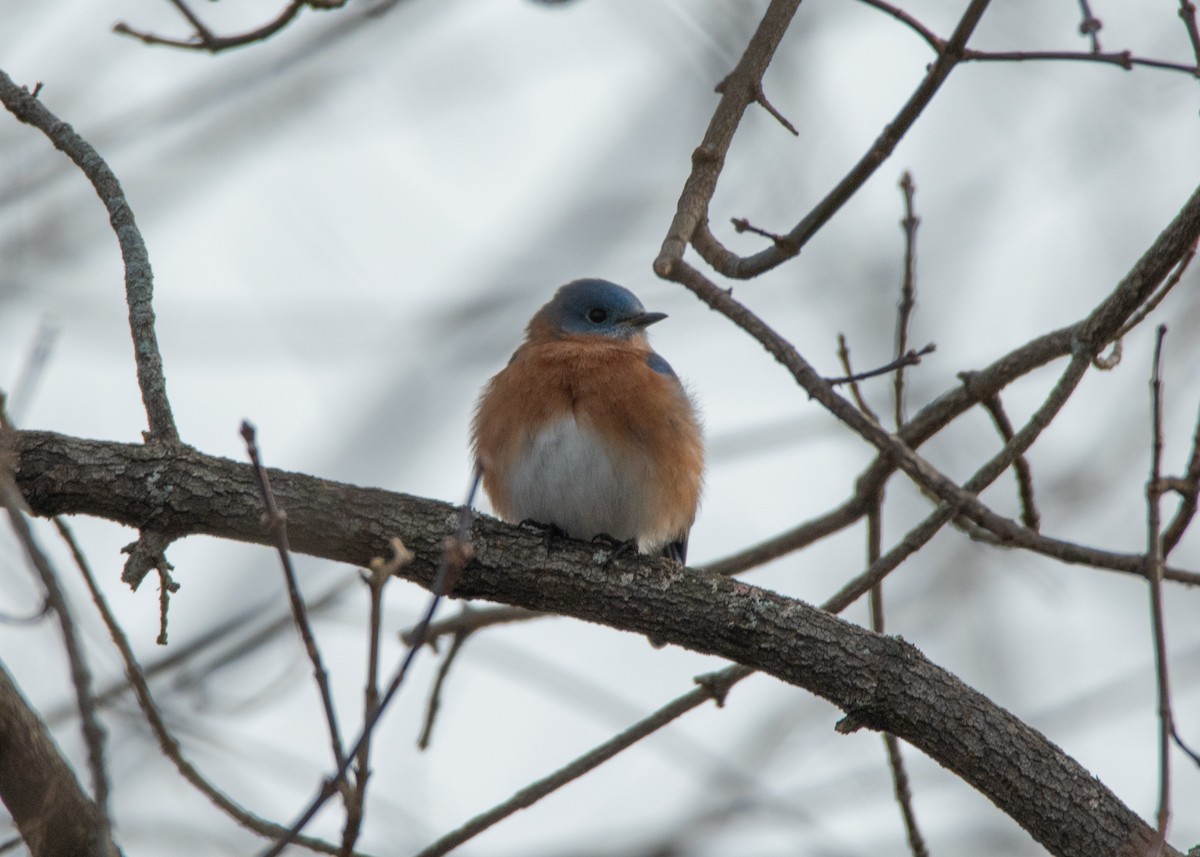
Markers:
point(588, 430)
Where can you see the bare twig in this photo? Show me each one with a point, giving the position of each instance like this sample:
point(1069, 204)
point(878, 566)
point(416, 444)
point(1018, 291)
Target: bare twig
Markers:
point(908, 358)
point(908, 301)
point(1123, 59)
point(376, 579)
point(147, 554)
point(761, 98)
point(1086, 336)
point(435, 694)
point(205, 40)
point(81, 677)
point(1114, 357)
point(472, 620)
point(713, 686)
point(1154, 558)
point(166, 741)
point(852, 379)
point(1187, 11)
point(1189, 488)
point(1150, 306)
point(936, 42)
point(709, 158)
point(225, 632)
point(741, 224)
point(921, 534)
point(275, 522)
point(690, 224)
point(1024, 474)
point(139, 279)
point(456, 552)
point(1090, 25)
point(900, 784)
point(166, 588)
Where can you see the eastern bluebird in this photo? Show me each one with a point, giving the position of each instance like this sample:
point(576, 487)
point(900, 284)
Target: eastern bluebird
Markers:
point(588, 429)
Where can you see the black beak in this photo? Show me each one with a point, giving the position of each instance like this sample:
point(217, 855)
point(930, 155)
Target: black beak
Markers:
point(646, 319)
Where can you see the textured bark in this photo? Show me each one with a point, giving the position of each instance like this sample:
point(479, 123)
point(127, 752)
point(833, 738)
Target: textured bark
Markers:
point(53, 814)
point(881, 682)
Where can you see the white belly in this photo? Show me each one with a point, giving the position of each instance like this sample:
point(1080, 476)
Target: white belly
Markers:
point(567, 478)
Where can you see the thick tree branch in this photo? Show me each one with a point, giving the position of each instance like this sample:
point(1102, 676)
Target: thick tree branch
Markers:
point(883, 683)
point(54, 815)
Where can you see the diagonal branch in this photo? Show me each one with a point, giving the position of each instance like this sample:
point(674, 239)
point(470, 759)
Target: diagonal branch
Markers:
point(81, 676)
point(1172, 249)
point(691, 219)
point(37, 784)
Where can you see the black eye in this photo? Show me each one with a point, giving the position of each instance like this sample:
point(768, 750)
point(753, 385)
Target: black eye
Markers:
point(597, 315)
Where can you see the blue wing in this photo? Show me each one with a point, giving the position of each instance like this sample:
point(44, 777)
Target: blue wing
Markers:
point(656, 362)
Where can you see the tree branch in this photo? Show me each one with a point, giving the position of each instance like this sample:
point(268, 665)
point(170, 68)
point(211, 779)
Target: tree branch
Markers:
point(53, 814)
point(883, 683)
point(139, 279)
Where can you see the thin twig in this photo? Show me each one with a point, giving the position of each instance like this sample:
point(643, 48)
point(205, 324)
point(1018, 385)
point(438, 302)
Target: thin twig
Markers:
point(435, 694)
point(923, 532)
point(275, 522)
point(690, 224)
point(1021, 468)
point(139, 278)
point(1081, 340)
point(166, 588)
point(1189, 488)
point(1151, 304)
point(1122, 59)
point(843, 354)
point(81, 677)
point(472, 620)
point(456, 552)
point(205, 40)
point(741, 224)
point(225, 632)
point(166, 741)
point(936, 42)
point(1187, 11)
point(891, 743)
point(761, 98)
point(376, 579)
point(908, 358)
point(1090, 25)
point(904, 311)
point(1154, 558)
point(713, 686)
point(908, 301)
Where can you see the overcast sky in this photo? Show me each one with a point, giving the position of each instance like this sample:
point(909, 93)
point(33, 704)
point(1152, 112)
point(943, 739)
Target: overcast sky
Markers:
point(350, 225)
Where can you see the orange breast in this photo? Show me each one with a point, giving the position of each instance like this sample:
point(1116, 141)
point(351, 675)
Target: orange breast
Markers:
point(644, 418)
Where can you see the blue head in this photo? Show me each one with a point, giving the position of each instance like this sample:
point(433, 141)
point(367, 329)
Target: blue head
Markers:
point(595, 307)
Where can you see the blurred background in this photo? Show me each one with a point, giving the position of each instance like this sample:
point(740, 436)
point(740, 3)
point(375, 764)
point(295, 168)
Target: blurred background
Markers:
point(350, 225)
